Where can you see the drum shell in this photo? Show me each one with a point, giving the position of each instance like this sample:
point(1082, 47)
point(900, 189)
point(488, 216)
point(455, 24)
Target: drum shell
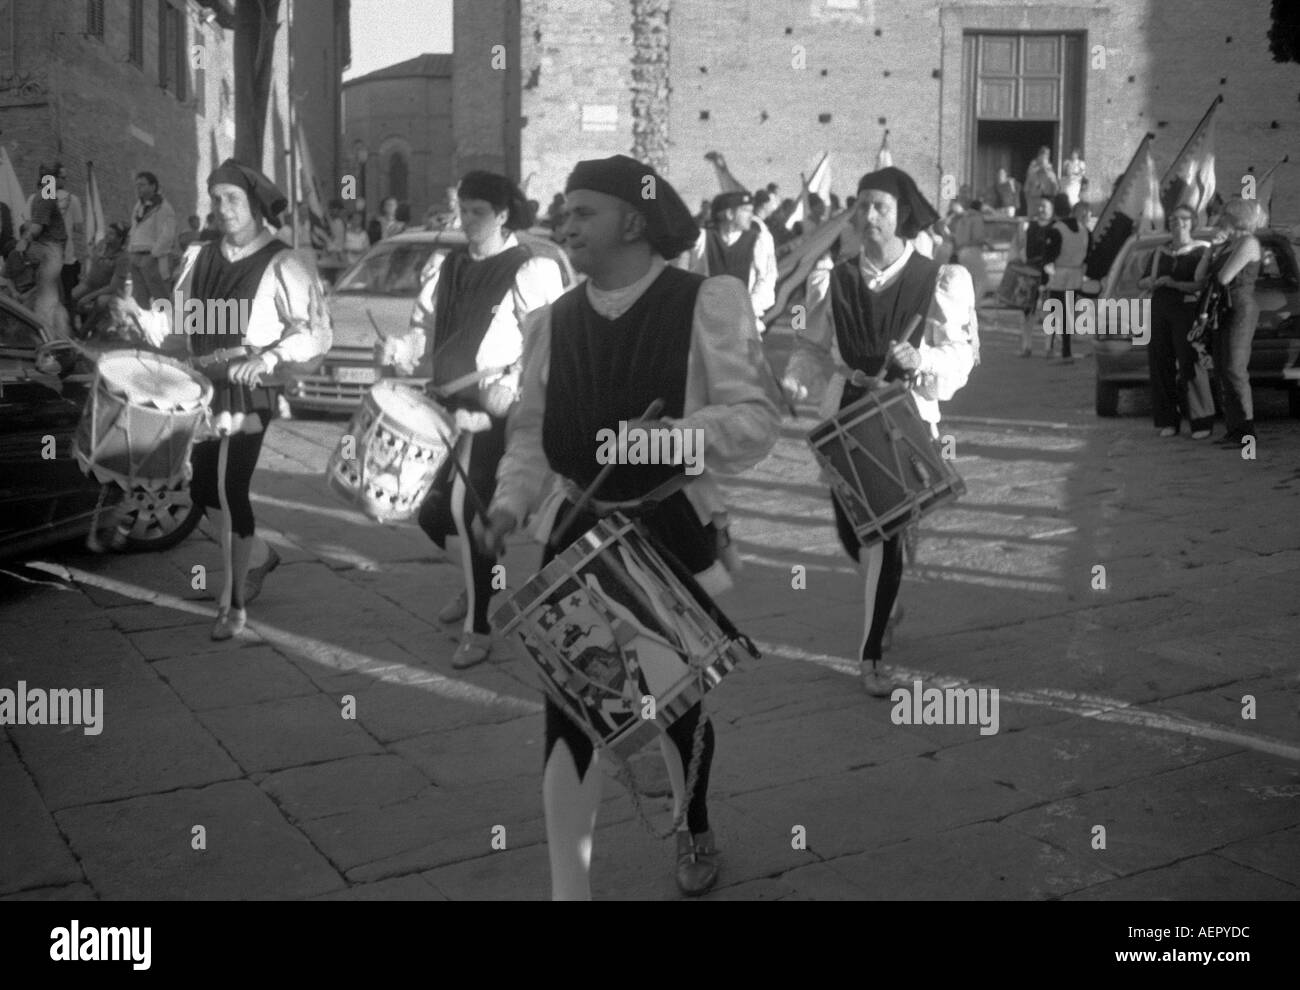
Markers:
point(885, 466)
point(554, 601)
point(1020, 285)
point(137, 446)
point(393, 464)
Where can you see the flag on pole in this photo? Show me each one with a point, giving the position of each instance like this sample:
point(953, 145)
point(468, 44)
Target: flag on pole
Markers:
point(819, 182)
point(726, 181)
point(1190, 180)
point(309, 192)
point(1133, 198)
point(884, 158)
point(1264, 187)
point(11, 191)
point(95, 226)
point(795, 266)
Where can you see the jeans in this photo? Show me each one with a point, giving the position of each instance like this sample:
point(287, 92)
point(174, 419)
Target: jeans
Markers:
point(1232, 361)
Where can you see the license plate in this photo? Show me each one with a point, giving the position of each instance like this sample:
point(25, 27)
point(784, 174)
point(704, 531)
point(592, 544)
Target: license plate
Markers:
point(356, 376)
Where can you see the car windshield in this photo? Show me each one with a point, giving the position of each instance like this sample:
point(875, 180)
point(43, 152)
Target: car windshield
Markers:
point(388, 269)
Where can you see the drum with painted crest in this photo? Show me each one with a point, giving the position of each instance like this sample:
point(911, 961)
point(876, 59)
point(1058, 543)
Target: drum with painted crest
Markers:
point(386, 462)
point(1020, 285)
point(621, 644)
point(141, 420)
point(885, 466)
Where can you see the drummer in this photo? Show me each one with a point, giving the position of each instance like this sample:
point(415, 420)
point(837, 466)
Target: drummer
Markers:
point(287, 322)
point(466, 330)
point(856, 314)
point(636, 331)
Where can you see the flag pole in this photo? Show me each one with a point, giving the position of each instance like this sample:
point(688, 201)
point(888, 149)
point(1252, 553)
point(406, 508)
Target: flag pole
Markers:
point(1188, 143)
point(293, 130)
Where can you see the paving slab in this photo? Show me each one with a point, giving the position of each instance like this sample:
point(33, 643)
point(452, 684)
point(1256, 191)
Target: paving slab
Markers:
point(242, 677)
point(32, 852)
point(409, 888)
point(1277, 854)
point(341, 786)
point(470, 754)
point(519, 874)
point(141, 849)
point(1190, 879)
point(287, 732)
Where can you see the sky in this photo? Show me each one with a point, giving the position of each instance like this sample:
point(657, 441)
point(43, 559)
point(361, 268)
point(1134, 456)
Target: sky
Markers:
point(388, 31)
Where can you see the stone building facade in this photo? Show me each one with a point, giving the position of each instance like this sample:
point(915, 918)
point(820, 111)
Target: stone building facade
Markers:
point(400, 117)
point(149, 85)
point(961, 85)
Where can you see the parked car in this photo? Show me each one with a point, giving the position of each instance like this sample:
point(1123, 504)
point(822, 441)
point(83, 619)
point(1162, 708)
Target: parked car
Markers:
point(1276, 347)
point(374, 298)
point(46, 499)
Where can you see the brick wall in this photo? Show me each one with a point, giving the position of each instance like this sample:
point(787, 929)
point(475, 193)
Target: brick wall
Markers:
point(416, 110)
point(900, 62)
point(486, 114)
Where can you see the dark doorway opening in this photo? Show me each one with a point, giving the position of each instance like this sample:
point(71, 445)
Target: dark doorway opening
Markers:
point(1010, 144)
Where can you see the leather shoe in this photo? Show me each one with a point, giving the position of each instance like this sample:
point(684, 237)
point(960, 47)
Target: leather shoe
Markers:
point(697, 863)
point(455, 610)
point(230, 622)
point(473, 650)
point(256, 575)
point(875, 683)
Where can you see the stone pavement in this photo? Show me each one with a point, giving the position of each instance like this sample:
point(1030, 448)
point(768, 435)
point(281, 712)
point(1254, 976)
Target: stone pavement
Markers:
point(1120, 708)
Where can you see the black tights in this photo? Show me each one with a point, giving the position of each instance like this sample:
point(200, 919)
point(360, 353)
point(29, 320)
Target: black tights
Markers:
point(241, 461)
point(886, 591)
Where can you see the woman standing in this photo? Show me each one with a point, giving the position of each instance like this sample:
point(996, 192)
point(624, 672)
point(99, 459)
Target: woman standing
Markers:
point(466, 333)
point(386, 224)
point(1033, 240)
point(287, 322)
point(1235, 266)
point(1040, 180)
point(1072, 172)
point(1177, 378)
point(44, 241)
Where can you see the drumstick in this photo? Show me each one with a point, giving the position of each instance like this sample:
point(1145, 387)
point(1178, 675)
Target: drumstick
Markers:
point(652, 411)
point(908, 330)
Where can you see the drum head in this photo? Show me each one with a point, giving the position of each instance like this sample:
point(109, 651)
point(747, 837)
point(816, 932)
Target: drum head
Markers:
point(145, 379)
point(412, 410)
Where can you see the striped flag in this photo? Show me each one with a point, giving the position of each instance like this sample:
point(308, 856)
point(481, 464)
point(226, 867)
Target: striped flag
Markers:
point(820, 183)
point(95, 226)
point(1134, 197)
point(1190, 180)
point(726, 181)
point(11, 191)
point(309, 193)
point(794, 267)
point(1264, 188)
point(884, 158)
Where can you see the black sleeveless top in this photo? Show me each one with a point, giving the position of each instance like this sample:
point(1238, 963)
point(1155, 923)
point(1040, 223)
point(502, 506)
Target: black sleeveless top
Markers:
point(603, 371)
point(735, 260)
point(468, 292)
point(1181, 268)
point(868, 323)
point(230, 282)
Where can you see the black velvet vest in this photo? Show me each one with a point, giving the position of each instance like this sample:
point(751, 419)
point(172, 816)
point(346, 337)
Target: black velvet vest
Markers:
point(868, 323)
point(735, 260)
point(463, 310)
point(603, 371)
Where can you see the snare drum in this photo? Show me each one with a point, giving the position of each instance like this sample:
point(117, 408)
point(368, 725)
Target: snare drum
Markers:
point(886, 468)
point(140, 422)
point(610, 627)
point(386, 461)
point(1020, 285)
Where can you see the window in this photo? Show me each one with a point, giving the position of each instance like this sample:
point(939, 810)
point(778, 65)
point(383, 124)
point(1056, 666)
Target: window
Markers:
point(136, 56)
point(173, 53)
point(16, 333)
point(95, 18)
point(389, 270)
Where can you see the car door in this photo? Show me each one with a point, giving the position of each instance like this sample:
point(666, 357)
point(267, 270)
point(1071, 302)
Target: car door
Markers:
point(41, 484)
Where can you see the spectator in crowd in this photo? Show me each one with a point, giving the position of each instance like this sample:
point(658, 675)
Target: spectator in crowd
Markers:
point(387, 223)
point(19, 273)
point(1083, 213)
point(1177, 379)
point(152, 241)
point(1041, 180)
point(969, 242)
point(764, 205)
point(835, 205)
point(1030, 246)
point(338, 227)
point(191, 234)
point(1235, 266)
point(355, 240)
point(1072, 176)
point(8, 236)
point(1005, 195)
point(107, 272)
point(44, 241)
point(1065, 263)
point(209, 231)
point(534, 211)
point(555, 212)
